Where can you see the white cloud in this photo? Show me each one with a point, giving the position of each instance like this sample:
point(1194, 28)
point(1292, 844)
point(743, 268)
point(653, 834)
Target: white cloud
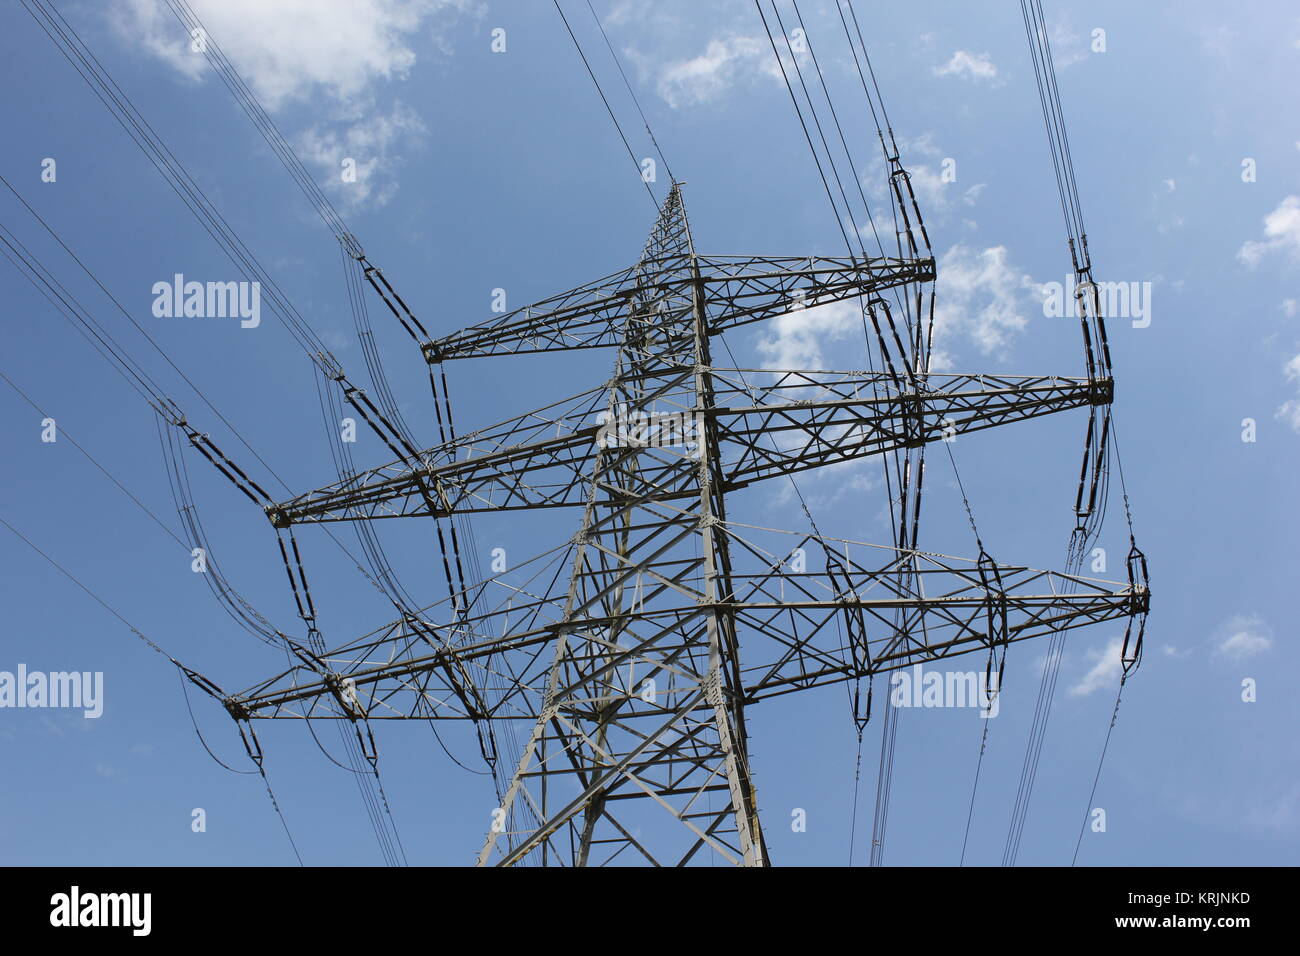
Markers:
point(331, 55)
point(1290, 307)
point(706, 77)
point(1281, 234)
point(292, 49)
point(933, 192)
point(1067, 49)
point(371, 142)
point(920, 144)
point(801, 340)
point(1289, 411)
point(969, 66)
point(1105, 670)
point(1243, 636)
point(979, 296)
point(795, 340)
point(929, 186)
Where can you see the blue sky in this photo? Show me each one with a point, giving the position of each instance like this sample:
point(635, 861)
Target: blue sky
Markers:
point(485, 170)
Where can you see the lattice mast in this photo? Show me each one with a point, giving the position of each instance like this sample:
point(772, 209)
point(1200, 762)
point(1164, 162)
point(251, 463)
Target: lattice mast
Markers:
point(644, 701)
point(658, 642)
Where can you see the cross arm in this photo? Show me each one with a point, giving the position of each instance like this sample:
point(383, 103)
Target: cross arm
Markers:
point(737, 290)
point(853, 611)
point(801, 421)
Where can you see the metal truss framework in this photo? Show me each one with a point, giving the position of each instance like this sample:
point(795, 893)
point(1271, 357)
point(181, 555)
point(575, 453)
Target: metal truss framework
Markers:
point(634, 670)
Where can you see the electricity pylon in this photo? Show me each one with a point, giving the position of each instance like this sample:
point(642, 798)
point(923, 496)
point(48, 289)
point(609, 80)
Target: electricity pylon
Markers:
point(633, 671)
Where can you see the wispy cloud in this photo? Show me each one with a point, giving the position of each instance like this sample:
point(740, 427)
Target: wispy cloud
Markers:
point(798, 339)
point(926, 164)
point(1289, 411)
point(1281, 234)
point(333, 57)
point(935, 193)
point(293, 49)
point(706, 77)
point(1104, 672)
point(979, 297)
point(371, 143)
point(1068, 48)
point(1243, 636)
point(968, 66)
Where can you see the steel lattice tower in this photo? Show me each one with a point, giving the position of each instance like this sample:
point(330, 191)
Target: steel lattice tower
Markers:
point(634, 672)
